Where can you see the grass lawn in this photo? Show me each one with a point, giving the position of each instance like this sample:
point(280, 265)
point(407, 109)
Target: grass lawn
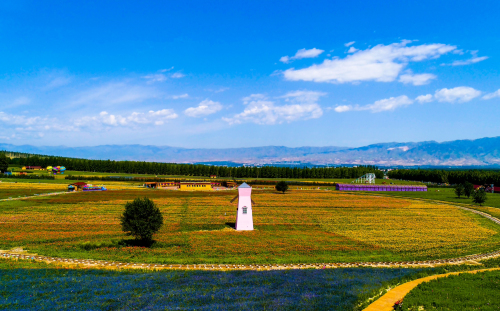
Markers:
point(479, 291)
point(24, 285)
point(298, 227)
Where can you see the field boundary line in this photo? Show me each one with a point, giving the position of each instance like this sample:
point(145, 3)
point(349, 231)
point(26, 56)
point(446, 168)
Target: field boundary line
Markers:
point(387, 301)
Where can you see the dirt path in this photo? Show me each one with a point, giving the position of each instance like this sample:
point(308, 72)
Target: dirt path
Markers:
point(38, 195)
point(386, 302)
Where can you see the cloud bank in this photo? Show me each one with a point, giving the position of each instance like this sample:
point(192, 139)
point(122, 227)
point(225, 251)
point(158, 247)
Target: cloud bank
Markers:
point(205, 108)
point(262, 110)
point(382, 63)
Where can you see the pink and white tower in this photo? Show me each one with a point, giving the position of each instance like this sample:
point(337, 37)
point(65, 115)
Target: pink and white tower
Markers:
point(244, 217)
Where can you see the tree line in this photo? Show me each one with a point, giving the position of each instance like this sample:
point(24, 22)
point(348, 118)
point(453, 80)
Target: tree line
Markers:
point(477, 177)
point(156, 168)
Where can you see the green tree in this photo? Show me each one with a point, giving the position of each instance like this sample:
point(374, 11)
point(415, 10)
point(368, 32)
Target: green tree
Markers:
point(141, 219)
point(282, 186)
point(459, 190)
point(468, 189)
point(479, 196)
point(4, 163)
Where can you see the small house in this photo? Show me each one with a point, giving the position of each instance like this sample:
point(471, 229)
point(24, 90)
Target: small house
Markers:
point(230, 184)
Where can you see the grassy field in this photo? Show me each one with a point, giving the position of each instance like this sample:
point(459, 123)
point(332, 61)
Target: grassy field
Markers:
point(446, 194)
point(457, 292)
point(298, 227)
point(15, 190)
point(24, 285)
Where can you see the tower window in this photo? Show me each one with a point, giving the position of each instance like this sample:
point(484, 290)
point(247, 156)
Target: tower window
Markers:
point(245, 210)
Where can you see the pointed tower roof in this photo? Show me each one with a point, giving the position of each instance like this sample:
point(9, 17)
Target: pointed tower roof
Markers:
point(244, 185)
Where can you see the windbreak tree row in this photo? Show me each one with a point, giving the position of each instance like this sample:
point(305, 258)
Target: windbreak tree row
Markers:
point(477, 177)
point(136, 167)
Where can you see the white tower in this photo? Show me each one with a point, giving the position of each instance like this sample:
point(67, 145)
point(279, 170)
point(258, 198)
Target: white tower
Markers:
point(244, 217)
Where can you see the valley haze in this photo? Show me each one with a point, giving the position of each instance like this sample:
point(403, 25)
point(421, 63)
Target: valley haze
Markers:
point(478, 152)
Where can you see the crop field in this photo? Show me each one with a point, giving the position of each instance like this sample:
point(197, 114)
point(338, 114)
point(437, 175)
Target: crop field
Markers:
point(298, 227)
point(25, 284)
point(457, 292)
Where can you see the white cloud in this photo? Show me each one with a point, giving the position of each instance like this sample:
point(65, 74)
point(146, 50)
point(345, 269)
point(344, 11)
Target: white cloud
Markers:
point(389, 104)
point(386, 104)
point(157, 77)
point(20, 119)
point(382, 63)
point(261, 110)
point(33, 123)
point(459, 94)
point(135, 118)
point(342, 108)
point(352, 50)
point(492, 95)
point(185, 95)
point(178, 75)
point(166, 69)
point(348, 44)
point(472, 60)
point(417, 79)
point(302, 53)
point(205, 108)
point(424, 98)
point(303, 96)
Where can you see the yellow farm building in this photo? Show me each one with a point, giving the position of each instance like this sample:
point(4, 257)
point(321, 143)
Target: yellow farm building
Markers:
point(195, 186)
point(185, 185)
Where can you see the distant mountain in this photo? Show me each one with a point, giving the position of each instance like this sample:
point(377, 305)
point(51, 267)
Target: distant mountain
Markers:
point(478, 152)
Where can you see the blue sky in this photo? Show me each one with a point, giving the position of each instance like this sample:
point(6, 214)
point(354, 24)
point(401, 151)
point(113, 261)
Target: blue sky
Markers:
point(239, 74)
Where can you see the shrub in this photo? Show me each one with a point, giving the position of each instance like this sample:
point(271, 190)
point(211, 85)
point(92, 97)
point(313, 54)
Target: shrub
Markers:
point(141, 219)
point(282, 186)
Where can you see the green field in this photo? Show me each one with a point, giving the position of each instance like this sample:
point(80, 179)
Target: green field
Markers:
point(447, 195)
point(466, 292)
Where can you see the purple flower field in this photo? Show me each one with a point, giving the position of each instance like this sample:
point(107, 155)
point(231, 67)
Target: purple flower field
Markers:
point(59, 289)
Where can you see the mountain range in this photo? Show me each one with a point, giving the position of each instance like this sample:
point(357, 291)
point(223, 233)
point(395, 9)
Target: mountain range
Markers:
point(478, 152)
